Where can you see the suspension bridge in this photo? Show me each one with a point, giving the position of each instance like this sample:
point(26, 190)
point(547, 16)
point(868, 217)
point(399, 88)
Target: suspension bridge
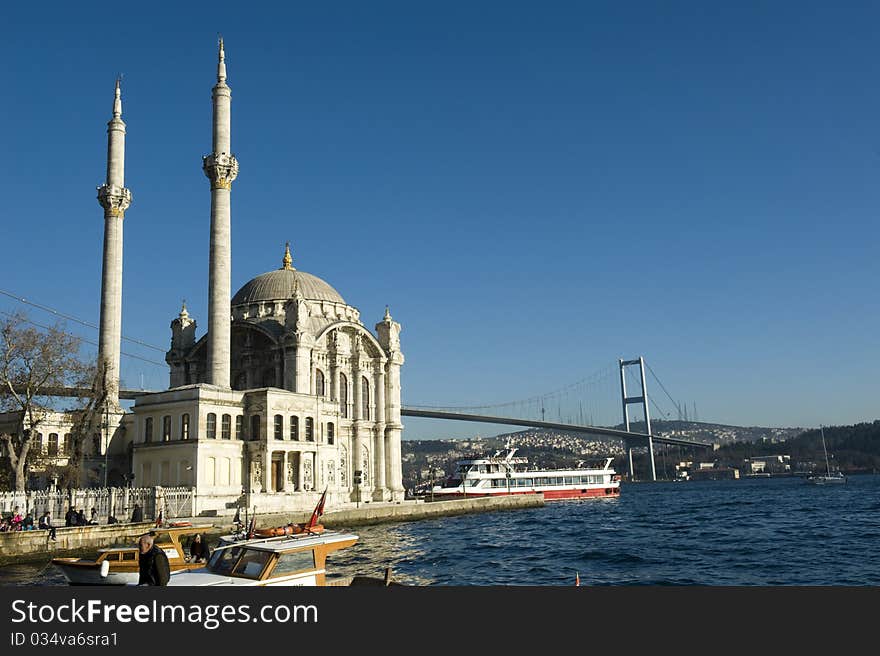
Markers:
point(597, 405)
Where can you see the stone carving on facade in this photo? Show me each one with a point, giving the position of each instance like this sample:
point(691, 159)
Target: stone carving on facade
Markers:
point(114, 199)
point(331, 473)
point(308, 481)
point(221, 169)
point(343, 462)
point(366, 468)
point(256, 475)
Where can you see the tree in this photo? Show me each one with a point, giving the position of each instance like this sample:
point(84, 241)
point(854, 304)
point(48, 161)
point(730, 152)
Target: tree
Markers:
point(34, 366)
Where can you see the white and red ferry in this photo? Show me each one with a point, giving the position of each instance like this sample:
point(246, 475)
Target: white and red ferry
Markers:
point(504, 473)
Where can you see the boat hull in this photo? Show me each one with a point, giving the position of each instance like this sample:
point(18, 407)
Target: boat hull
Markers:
point(549, 495)
point(90, 574)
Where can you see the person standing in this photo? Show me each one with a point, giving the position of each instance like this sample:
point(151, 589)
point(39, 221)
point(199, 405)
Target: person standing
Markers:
point(152, 563)
point(137, 515)
point(70, 517)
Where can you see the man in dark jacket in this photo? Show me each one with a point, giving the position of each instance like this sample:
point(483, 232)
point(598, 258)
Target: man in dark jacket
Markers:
point(152, 562)
point(70, 518)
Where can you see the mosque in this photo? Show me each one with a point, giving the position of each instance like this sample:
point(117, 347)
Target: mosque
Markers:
point(287, 394)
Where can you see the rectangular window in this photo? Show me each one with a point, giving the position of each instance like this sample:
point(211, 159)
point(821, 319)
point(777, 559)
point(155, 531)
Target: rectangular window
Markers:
point(166, 428)
point(330, 433)
point(279, 427)
point(310, 429)
point(226, 427)
point(239, 426)
point(212, 426)
point(294, 562)
point(294, 428)
point(148, 429)
point(53, 444)
point(184, 426)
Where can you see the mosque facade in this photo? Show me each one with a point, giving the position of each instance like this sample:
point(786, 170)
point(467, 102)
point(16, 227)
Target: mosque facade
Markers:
point(286, 395)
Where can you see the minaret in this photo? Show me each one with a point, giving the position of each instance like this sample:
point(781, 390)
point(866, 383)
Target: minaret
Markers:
point(115, 199)
point(221, 168)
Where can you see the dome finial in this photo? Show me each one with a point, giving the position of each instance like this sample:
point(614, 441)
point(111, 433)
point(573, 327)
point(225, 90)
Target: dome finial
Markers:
point(387, 314)
point(183, 313)
point(287, 262)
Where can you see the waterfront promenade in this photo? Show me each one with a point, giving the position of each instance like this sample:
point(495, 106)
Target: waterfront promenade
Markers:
point(31, 546)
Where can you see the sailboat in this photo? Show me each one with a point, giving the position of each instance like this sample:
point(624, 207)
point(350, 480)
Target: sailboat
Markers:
point(827, 478)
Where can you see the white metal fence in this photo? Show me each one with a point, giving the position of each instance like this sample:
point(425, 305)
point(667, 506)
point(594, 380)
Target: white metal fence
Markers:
point(118, 502)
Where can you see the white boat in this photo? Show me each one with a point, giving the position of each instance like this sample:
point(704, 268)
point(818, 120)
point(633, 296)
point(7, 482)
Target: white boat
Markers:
point(505, 474)
point(285, 560)
point(827, 478)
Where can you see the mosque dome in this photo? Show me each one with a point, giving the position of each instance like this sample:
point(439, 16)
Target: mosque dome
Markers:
point(280, 284)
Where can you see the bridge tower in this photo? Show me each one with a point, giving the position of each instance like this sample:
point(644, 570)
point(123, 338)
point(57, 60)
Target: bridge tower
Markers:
point(643, 400)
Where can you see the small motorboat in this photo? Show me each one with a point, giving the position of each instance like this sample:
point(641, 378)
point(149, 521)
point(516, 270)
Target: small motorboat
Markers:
point(119, 565)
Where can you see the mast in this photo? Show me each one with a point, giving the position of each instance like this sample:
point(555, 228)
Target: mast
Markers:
point(827, 466)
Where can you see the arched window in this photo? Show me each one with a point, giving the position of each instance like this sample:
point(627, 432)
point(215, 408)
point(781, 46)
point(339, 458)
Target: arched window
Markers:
point(184, 426)
point(343, 395)
point(255, 427)
point(40, 445)
point(330, 432)
point(212, 426)
point(365, 398)
point(53, 444)
point(294, 428)
point(239, 426)
point(166, 428)
point(148, 429)
point(226, 427)
point(64, 447)
point(279, 427)
point(310, 429)
point(319, 382)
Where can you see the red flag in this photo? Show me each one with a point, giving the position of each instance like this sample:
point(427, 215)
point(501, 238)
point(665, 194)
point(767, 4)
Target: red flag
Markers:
point(318, 511)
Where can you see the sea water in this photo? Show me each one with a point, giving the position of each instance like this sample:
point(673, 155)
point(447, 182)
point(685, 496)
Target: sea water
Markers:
point(768, 531)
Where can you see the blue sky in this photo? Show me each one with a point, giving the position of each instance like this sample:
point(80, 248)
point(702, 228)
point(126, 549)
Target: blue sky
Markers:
point(536, 189)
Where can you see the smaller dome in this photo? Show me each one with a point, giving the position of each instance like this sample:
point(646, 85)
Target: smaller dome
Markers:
point(278, 285)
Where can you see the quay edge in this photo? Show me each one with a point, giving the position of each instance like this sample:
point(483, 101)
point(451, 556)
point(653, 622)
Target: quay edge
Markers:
point(35, 546)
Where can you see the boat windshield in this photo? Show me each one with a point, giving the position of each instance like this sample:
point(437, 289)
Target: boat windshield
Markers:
point(240, 562)
point(223, 560)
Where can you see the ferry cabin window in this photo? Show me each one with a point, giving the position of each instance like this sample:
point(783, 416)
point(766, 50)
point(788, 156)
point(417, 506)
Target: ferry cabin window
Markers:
point(251, 564)
point(294, 562)
point(129, 555)
point(223, 560)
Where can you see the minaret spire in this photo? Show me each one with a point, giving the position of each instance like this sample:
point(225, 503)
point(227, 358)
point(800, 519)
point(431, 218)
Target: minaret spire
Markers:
point(115, 199)
point(221, 167)
point(221, 63)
